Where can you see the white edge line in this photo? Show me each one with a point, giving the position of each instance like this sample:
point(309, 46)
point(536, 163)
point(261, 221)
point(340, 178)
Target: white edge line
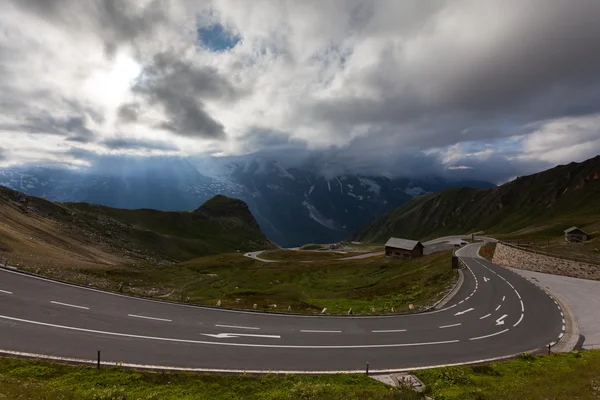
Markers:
point(5, 291)
point(198, 307)
point(487, 336)
point(519, 321)
point(152, 318)
point(241, 371)
point(69, 305)
point(277, 346)
point(485, 316)
point(450, 326)
point(236, 327)
point(389, 331)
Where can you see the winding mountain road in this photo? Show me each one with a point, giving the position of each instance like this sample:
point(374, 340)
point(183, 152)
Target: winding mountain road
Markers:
point(496, 313)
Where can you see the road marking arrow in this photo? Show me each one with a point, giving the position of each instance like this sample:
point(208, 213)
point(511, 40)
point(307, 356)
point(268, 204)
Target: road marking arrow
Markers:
point(235, 335)
point(486, 279)
point(463, 312)
point(500, 321)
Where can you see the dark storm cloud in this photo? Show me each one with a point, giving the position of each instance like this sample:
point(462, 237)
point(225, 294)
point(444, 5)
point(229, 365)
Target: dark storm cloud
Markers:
point(178, 85)
point(137, 144)
point(72, 128)
point(539, 62)
point(2, 154)
point(128, 112)
point(115, 21)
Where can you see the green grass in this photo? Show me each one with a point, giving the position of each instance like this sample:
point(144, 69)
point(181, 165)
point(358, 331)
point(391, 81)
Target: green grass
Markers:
point(573, 375)
point(487, 250)
point(240, 282)
point(291, 255)
point(29, 379)
point(561, 376)
point(313, 246)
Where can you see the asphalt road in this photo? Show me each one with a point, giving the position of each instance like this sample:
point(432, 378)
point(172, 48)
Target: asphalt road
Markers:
point(496, 313)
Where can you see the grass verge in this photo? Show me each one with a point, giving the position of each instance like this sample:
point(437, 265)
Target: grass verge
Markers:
point(573, 375)
point(32, 379)
point(240, 282)
point(559, 376)
point(487, 250)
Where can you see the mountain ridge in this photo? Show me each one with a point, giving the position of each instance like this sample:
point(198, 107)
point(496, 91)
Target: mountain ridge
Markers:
point(539, 204)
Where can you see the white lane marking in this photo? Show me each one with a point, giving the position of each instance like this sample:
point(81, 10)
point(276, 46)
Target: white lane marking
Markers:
point(487, 336)
point(522, 306)
point(519, 321)
point(389, 331)
point(450, 326)
point(235, 335)
point(318, 331)
point(497, 308)
point(224, 309)
point(5, 292)
point(69, 305)
point(485, 316)
point(564, 328)
point(277, 346)
point(503, 298)
point(152, 318)
point(237, 327)
point(486, 279)
point(464, 312)
point(500, 321)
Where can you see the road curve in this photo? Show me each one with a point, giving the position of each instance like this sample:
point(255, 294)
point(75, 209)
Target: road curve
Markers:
point(495, 314)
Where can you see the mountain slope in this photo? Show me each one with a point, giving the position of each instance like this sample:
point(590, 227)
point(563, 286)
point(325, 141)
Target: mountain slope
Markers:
point(293, 205)
point(547, 202)
point(53, 234)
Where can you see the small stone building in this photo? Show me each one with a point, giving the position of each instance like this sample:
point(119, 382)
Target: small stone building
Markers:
point(575, 235)
point(403, 248)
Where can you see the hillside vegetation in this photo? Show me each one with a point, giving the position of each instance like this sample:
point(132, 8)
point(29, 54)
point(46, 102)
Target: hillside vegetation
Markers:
point(539, 204)
point(40, 234)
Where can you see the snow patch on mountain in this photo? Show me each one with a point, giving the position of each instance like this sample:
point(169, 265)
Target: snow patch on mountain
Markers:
point(415, 191)
point(316, 216)
point(373, 186)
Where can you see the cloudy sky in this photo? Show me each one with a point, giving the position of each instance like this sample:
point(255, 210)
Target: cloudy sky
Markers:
point(495, 88)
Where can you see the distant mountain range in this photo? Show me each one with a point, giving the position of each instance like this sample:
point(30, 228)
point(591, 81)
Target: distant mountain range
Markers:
point(293, 206)
point(541, 204)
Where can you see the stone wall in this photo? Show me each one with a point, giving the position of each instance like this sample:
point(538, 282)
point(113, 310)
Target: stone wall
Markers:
point(510, 257)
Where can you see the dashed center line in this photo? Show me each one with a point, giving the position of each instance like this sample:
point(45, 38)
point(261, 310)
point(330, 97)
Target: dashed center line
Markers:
point(5, 292)
point(485, 316)
point(69, 305)
point(389, 331)
point(236, 327)
point(497, 308)
point(155, 319)
point(318, 331)
point(450, 326)
point(487, 336)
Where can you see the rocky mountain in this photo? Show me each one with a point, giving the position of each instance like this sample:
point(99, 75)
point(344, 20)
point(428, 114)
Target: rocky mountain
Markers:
point(538, 204)
point(293, 206)
point(43, 233)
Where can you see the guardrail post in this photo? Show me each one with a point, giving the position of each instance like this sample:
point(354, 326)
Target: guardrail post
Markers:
point(549, 347)
point(367, 369)
point(98, 367)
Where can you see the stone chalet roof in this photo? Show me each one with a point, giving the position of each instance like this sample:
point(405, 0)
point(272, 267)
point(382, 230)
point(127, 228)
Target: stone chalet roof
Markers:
point(403, 244)
point(573, 229)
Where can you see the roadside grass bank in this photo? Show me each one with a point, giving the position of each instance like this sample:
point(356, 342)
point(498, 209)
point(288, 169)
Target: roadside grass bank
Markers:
point(239, 282)
point(487, 250)
point(42, 380)
point(573, 375)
